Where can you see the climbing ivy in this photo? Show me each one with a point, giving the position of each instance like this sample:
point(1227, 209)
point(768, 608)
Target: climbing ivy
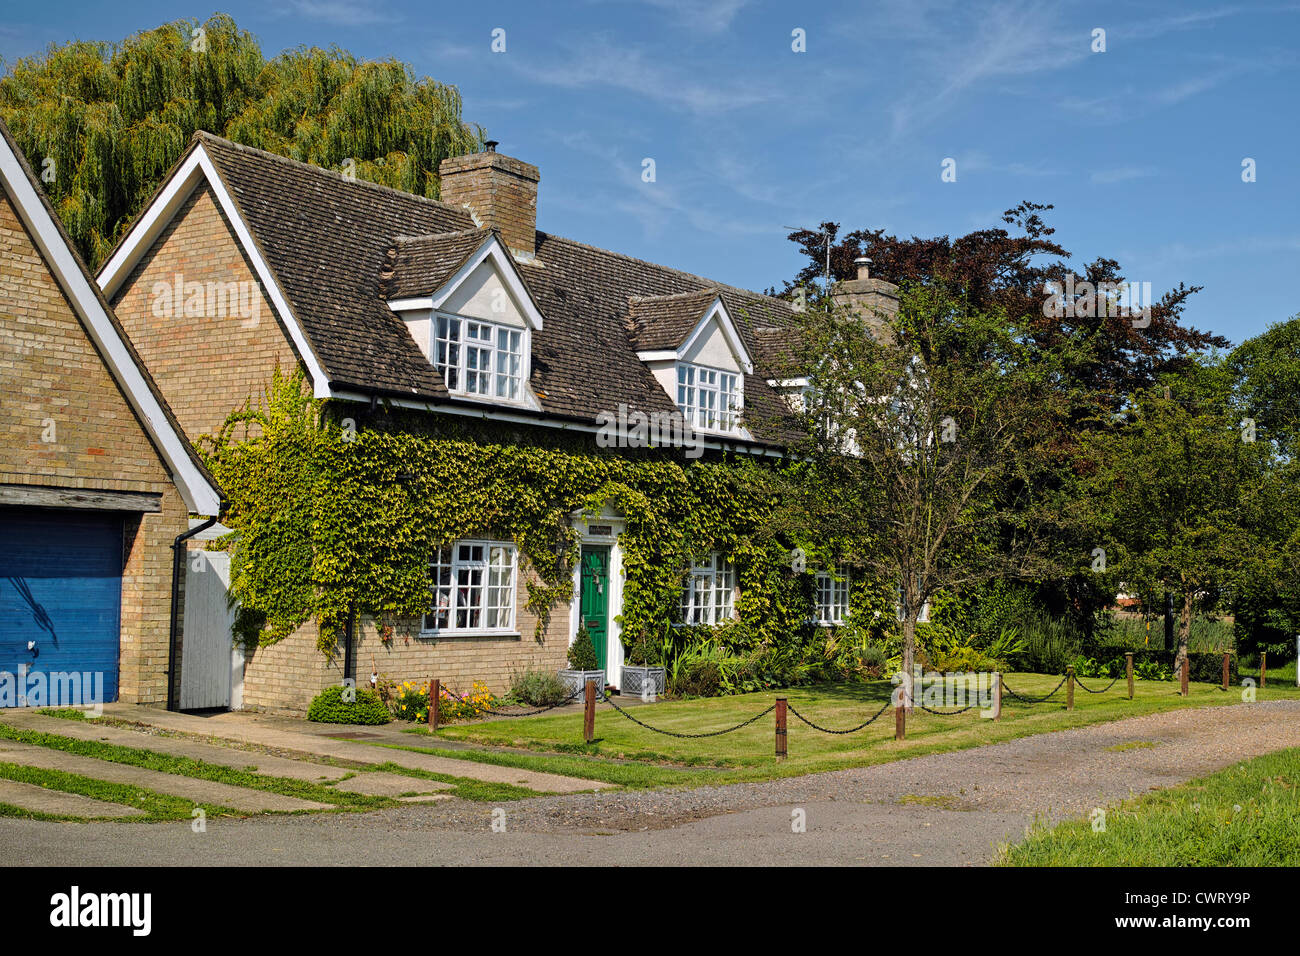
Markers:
point(338, 507)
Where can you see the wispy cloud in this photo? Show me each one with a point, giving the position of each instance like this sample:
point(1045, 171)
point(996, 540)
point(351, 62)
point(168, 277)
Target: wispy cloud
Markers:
point(347, 13)
point(598, 62)
point(1104, 177)
point(705, 16)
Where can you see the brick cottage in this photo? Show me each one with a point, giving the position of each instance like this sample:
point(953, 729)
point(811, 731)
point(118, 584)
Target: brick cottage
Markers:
point(244, 261)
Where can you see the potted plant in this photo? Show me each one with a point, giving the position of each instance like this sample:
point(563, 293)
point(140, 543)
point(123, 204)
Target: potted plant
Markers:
point(583, 665)
point(644, 674)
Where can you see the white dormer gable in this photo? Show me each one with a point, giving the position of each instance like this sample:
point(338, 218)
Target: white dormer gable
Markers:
point(476, 328)
point(705, 374)
point(716, 342)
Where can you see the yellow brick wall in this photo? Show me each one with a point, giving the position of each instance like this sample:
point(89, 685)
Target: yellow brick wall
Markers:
point(206, 365)
point(284, 677)
point(54, 384)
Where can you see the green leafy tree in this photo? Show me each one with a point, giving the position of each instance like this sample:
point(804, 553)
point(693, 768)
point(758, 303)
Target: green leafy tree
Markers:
point(1173, 488)
point(1268, 371)
point(1267, 605)
point(927, 439)
point(103, 122)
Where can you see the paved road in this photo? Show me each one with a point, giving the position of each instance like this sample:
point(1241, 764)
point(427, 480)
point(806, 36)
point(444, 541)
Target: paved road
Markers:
point(949, 809)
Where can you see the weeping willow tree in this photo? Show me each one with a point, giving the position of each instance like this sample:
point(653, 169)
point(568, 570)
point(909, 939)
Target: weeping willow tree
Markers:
point(103, 123)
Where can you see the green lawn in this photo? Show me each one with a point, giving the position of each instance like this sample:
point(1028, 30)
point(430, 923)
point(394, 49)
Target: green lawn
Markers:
point(1245, 815)
point(632, 756)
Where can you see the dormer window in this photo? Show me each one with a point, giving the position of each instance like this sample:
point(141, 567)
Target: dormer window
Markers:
point(476, 328)
point(708, 398)
point(693, 348)
point(479, 358)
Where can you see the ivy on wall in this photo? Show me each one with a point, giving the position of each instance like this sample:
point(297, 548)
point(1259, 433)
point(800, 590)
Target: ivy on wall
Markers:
point(337, 509)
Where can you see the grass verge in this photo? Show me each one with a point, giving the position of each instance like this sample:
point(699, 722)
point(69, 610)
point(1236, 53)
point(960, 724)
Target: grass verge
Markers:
point(1242, 816)
point(626, 754)
point(157, 807)
point(187, 767)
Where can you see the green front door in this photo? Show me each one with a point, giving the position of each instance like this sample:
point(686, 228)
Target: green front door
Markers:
point(595, 597)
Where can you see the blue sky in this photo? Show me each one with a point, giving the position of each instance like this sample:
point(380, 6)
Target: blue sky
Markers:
point(1139, 147)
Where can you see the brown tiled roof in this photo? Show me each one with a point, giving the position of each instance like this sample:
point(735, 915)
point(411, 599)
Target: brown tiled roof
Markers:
point(421, 264)
point(340, 247)
point(664, 321)
point(778, 347)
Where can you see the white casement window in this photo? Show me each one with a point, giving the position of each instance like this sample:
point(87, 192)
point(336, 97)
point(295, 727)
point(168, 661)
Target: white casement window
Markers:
point(473, 589)
point(709, 593)
point(710, 398)
point(833, 596)
point(479, 358)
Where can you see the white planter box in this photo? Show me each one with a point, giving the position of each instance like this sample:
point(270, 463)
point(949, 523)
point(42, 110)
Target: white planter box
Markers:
point(575, 682)
point(636, 677)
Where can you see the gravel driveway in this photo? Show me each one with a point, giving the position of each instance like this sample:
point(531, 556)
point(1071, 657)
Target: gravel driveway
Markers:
point(948, 809)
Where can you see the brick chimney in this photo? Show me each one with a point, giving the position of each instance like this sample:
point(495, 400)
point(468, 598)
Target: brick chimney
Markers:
point(500, 192)
point(874, 299)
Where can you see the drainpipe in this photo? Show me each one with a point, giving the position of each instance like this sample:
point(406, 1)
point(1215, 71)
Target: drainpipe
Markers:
point(178, 568)
point(347, 647)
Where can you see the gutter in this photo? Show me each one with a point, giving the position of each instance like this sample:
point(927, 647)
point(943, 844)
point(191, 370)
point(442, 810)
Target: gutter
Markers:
point(178, 546)
point(529, 416)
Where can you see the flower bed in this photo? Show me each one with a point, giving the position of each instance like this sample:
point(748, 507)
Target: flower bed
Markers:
point(409, 700)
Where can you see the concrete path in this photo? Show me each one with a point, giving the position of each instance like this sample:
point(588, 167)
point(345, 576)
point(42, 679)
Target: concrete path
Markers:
point(247, 728)
point(376, 783)
point(971, 800)
point(28, 796)
point(265, 764)
point(189, 788)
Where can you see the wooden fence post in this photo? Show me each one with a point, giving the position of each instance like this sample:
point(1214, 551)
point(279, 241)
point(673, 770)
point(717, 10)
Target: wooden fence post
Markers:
point(1183, 675)
point(1226, 655)
point(1069, 687)
point(997, 695)
point(900, 722)
point(1128, 668)
point(435, 698)
point(1263, 668)
point(589, 711)
point(780, 729)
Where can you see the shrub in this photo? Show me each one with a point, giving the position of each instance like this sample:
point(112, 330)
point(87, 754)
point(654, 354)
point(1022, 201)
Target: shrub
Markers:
point(871, 661)
point(1048, 645)
point(646, 651)
point(329, 707)
point(582, 653)
point(537, 688)
point(407, 700)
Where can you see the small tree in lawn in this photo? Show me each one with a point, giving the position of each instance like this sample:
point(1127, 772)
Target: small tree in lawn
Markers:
point(1173, 489)
point(924, 438)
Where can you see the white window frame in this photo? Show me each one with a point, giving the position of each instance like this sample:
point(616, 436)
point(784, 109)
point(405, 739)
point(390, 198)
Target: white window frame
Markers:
point(492, 593)
point(832, 596)
point(519, 374)
point(709, 590)
point(725, 392)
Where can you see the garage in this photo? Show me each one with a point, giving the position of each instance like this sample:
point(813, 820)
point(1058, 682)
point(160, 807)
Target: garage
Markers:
point(60, 606)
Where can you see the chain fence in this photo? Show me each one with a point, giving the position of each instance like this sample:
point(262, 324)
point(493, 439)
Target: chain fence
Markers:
point(684, 736)
point(826, 730)
point(1033, 700)
point(1090, 690)
point(681, 735)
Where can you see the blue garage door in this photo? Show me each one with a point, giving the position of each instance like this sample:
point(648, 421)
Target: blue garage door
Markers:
point(60, 606)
